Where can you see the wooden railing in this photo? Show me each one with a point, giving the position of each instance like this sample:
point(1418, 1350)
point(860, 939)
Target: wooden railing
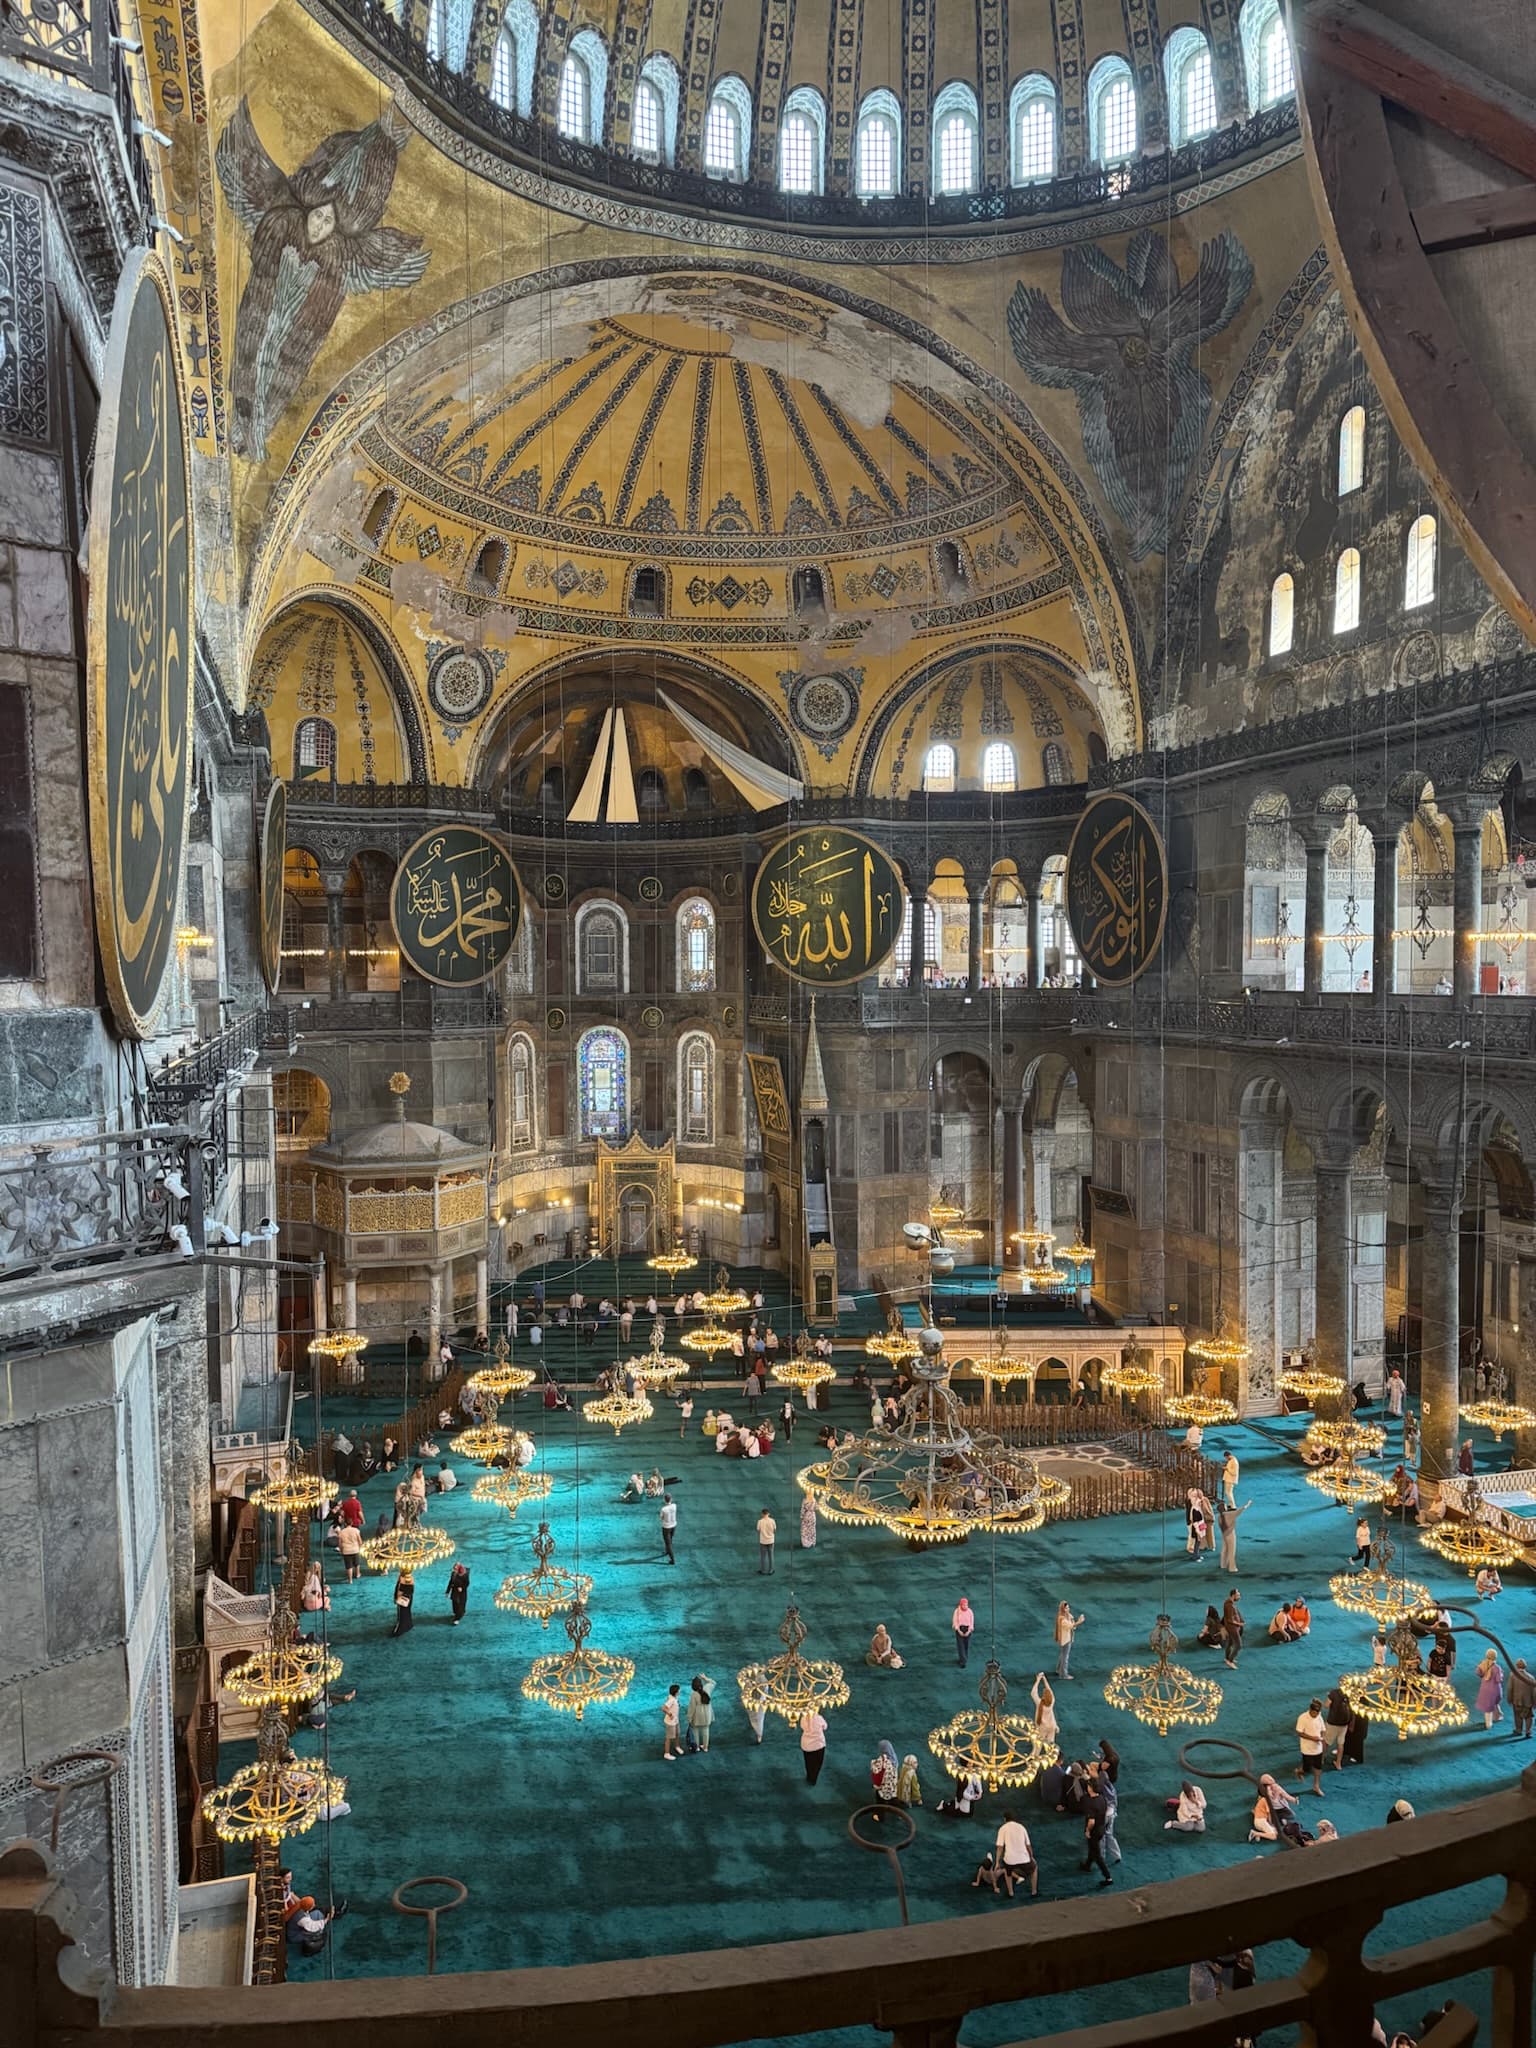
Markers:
point(917, 1984)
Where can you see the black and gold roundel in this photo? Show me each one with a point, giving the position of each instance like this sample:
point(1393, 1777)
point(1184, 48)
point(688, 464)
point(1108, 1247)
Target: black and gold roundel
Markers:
point(827, 905)
point(139, 649)
point(1117, 889)
point(455, 905)
point(274, 845)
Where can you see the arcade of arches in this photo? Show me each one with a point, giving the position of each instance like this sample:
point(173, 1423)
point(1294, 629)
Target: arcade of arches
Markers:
point(629, 449)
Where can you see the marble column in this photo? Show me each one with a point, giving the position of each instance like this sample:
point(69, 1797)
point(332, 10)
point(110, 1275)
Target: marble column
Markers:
point(317, 1296)
point(1384, 913)
point(1013, 1179)
point(336, 936)
point(1042, 1162)
point(918, 964)
point(1315, 922)
point(434, 1318)
point(1333, 1266)
point(349, 1300)
point(973, 960)
point(483, 1293)
point(1440, 1338)
point(1467, 907)
point(1036, 938)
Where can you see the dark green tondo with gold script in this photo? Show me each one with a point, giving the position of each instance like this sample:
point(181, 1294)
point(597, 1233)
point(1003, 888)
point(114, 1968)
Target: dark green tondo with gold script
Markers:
point(455, 905)
point(827, 905)
point(139, 647)
point(273, 848)
point(1117, 889)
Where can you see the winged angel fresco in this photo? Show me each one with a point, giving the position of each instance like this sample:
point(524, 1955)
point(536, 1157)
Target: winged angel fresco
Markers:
point(315, 238)
point(1128, 356)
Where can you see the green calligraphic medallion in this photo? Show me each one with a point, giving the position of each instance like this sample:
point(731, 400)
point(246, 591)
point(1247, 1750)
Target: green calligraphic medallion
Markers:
point(139, 649)
point(273, 848)
point(1117, 889)
point(455, 905)
point(827, 905)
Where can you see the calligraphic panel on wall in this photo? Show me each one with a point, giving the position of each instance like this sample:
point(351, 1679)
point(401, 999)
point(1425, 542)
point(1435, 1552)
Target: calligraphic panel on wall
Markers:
point(273, 848)
point(769, 1094)
point(827, 905)
point(455, 905)
point(139, 648)
point(1117, 889)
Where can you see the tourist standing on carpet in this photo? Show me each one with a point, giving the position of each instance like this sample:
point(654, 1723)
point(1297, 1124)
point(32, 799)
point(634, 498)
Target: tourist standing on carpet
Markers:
point(1095, 1826)
point(1067, 1626)
point(668, 1520)
point(756, 1717)
point(1227, 1520)
point(1045, 1708)
point(752, 1387)
point(787, 1417)
point(1312, 1735)
point(963, 1622)
point(807, 1523)
point(1362, 1541)
point(1229, 1471)
point(684, 1415)
point(767, 1529)
point(1232, 1626)
point(1197, 1521)
point(1397, 1388)
point(349, 1541)
point(884, 1773)
point(701, 1713)
point(671, 1711)
point(1490, 1688)
point(405, 1594)
point(1337, 1714)
point(813, 1743)
point(1522, 1698)
point(458, 1591)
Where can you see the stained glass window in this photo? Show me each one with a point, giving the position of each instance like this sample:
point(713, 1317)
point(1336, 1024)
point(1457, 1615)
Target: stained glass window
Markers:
point(602, 1067)
point(696, 947)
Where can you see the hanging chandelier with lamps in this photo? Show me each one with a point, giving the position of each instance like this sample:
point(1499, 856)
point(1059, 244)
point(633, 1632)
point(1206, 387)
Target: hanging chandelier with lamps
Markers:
point(1205, 1410)
point(997, 1747)
point(657, 1368)
point(298, 1492)
point(709, 1338)
point(1348, 1484)
point(1472, 1543)
point(511, 1487)
point(1403, 1692)
point(1346, 1438)
point(276, 1796)
point(790, 1684)
point(501, 1379)
point(488, 1443)
point(673, 1262)
point(1311, 1384)
point(723, 1299)
point(619, 1409)
point(338, 1344)
point(1163, 1694)
point(804, 1370)
point(1221, 1351)
point(1383, 1596)
point(291, 1671)
point(1499, 1416)
point(573, 1680)
point(547, 1590)
point(1134, 1372)
point(896, 1344)
point(410, 1546)
point(1002, 1366)
point(1077, 1253)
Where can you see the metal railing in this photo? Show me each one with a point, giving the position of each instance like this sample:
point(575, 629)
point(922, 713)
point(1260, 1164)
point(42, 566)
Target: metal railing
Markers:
point(72, 1204)
point(79, 41)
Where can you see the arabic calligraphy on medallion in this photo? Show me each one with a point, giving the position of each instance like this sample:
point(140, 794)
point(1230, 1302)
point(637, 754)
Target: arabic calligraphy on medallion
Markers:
point(274, 845)
point(827, 905)
point(1117, 889)
point(769, 1094)
point(139, 638)
point(455, 905)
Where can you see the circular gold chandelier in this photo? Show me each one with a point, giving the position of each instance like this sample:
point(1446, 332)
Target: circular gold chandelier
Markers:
point(1163, 1694)
point(1206, 1410)
point(580, 1677)
point(999, 1748)
point(1134, 1372)
point(673, 1262)
point(963, 1233)
point(804, 1370)
point(503, 1377)
point(1031, 1240)
point(1049, 1279)
point(1349, 1439)
point(943, 1212)
point(1499, 1416)
point(791, 1685)
point(409, 1546)
point(511, 1486)
point(1381, 1595)
point(1002, 1366)
point(272, 1797)
point(548, 1589)
point(291, 1671)
point(895, 1345)
point(485, 1443)
point(723, 1299)
point(298, 1492)
point(338, 1344)
point(1403, 1692)
point(1077, 1253)
point(1218, 1351)
point(1311, 1384)
point(1346, 1483)
point(657, 1368)
point(929, 1479)
point(708, 1337)
point(1472, 1543)
point(619, 1409)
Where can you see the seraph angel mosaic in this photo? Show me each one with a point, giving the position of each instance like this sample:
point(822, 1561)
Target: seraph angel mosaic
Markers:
point(316, 237)
point(1127, 352)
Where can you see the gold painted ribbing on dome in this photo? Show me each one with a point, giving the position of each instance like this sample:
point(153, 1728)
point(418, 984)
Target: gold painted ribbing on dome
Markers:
point(708, 1337)
point(1348, 1484)
point(512, 1487)
point(338, 1344)
point(298, 1492)
point(274, 1797)
point(1134, 1372)
point(1310, 1383)
point(997, 1747)
point(1472, 1543)
point(548, 1589)
point(618, 1409)
point(657, 1368)
point(1206, 1410)
point(1499, 1416)
point(929, 1479)
point(1403, 1692)
point(580, 1677)
point(1348, 1438)
point(673, 1262)
point(791, 1685)
point(410, 1546)
point(1383, 1596)
point(804, 1370)
point(291, 1671)
point(723, 1299)
point(1162, 1694)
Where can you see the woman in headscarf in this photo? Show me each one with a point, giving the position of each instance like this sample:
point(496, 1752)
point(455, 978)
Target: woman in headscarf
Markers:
point(405, 1594)
point(1189, 1811)
point(458, 1590)
point(884, 1773)
point(967, 1794)
point(1196, 1522)
point(807, 1523)
point(908, 1791)
point(709, 1425)
point(882, 1651)
point(1269, 1810)
point(314, 1596)
point(1490, 1689)
point(701, 1713)
point(1045, 1708)
point(1209, 1637)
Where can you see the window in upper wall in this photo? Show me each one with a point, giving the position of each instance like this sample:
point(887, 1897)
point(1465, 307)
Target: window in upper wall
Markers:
point(520, 1072)
point(435, 38)
point(999, 769)
point(504, 70)
point(645, 597)
point(490, 565)
point(314, 748)
point(696, 1089)
point(930, 934)
point(1352, 450)
point(955, 128)
point(953, 580)
point(1112, 111)
point(696, 947)
point(1266, 53)
point(602, 1071)
point(1282, 613)
point(376, 519)
point(653, 131)
point(1191, 84)
point(601, 937)
point(571, 112)
point(651, 790)
point(939, 768)
point(877, 147)
point(645, 130)
point(802, 127)
point(1419, 577)
point(1057, 763)
point(809, 593)
point(727, 125)
point(1033, 130)
point(1346, 592)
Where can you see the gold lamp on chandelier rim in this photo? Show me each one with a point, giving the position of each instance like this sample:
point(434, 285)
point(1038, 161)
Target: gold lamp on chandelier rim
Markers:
point(573, 1680)
point(999, 1748)
point(1163, 1694)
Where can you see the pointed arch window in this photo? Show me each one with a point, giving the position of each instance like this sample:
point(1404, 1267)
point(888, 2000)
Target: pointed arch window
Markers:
point(1419, 575)
point(696, 1089)
point(1346, 592)
point(602, 1074)
point(939, 768)
point(520, 1094)
point(1282, 613)
point(1352, 450)
point(696, 947)
point(999, 767)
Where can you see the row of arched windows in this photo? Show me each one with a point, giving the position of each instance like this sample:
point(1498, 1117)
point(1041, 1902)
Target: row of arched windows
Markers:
point(603, 1088)
point(1114, 124)
point(602, 948)
point(999, 767)
point(1419, 569)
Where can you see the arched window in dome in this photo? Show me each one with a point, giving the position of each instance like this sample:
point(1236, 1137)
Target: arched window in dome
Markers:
point(955, 130)
point(1191, 85)
point(583, 86)
point(490, 565)
point(602, 1080)
point(602, 950)
point(504, 71)
point(696, 790)
point(520, 1097)
point(727, 124)
point(1352, 450)
point(1056, 760)
point(1282, 613)
point(696, 947)
point(877, 146)
point(513, 56)
point(1419, 575)
point(379, 514)
point(802, 141)
point(1346, 592)
point(1032, 127)
point(1266, 54)
point(953, 579)
point(939, 768)
point(1111, 111)
point(809, 593)
point(314, 749)
point(696, 1089)
point(650, 790)
point(648, 592)
point(999, 767)
point(653, 129)
point(437, 29)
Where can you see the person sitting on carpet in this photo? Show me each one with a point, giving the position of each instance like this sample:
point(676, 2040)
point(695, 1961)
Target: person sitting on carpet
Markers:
point(427, 1449)
point(1273, 1806)
point(1400, 1810)
point(882, 1651)
point(1209, 1637)
point(765, 1438)
point(653, 1485)
point(1489, 1584)
point(710, 1424)
point(446, 1479)
point(1188, 1811)
point(908, 1791)
point(635, 1489)
point(1301, 1616)
point(966, 1795)
point(314, 1596)
point(389, 1458)
point(884, 1773)
point(1280, 1627)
